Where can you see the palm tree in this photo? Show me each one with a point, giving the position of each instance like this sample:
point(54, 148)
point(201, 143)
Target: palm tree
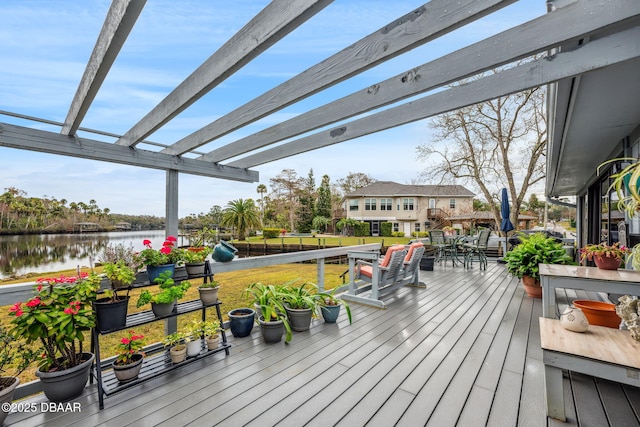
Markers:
point(242, 215)
point(261, 190)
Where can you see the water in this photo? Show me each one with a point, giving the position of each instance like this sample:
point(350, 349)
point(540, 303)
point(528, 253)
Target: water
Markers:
point(52, 252)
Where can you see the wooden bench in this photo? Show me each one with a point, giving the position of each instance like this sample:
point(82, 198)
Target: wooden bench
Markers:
point(601, 352)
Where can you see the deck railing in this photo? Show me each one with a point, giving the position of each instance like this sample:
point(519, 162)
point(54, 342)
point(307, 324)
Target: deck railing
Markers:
point(11, 294)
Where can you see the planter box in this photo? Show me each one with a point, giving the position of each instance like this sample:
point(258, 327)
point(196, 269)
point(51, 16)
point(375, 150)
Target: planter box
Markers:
point(426, 263)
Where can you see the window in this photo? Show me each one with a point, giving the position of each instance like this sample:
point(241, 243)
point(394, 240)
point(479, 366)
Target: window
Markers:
point(353, 205)
point(396, 227)
point(407, 204)
point(417, 226)
point(369, 204)
point(452, 203)
point(386, 204)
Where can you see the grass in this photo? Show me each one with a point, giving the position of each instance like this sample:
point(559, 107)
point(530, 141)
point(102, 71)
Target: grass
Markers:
point(232, 285)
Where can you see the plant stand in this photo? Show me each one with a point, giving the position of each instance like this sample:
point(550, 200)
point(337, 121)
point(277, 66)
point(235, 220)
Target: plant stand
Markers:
point(158, 360)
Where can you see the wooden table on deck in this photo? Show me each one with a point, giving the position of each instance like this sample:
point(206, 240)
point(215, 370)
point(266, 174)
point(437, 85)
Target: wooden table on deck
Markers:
point(554, 276)
point(601, 352)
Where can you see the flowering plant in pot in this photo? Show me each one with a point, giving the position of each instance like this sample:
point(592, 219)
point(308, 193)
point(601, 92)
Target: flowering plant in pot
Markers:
point(159, 260)
point(129, 358)
point(601, 251)
point(57, 318)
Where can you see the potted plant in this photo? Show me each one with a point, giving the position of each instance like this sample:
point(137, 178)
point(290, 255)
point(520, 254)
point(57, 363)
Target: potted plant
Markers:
point(128, 362)
point(211, 331)
point(162, 303)
point(241, 321)
point(194, 258)
point(273, 320)
point(301, 304)
point(177, 347)
point(522, 261)
point(330, 306)
point(606, 257)
point(209, 292)
point(15, 357)
point(158, 261)
point(111, 311)
point(57, 318)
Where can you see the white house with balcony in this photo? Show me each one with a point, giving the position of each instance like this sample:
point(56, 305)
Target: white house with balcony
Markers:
point(408, 208)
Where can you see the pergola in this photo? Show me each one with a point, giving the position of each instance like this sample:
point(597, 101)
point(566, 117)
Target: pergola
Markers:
point(595, 35)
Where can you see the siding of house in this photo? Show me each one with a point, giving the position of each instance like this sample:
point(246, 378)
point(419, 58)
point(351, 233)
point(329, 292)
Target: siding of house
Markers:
point(412, 207)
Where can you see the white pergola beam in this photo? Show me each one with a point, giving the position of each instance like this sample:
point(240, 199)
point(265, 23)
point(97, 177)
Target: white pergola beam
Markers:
point(275, 21)
point(426, 23)
point(54, 143)
point(121, 18)
point(594, 55)
point(525, 40)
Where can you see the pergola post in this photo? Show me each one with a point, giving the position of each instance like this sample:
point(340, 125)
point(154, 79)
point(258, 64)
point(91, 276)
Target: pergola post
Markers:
point(171, 228)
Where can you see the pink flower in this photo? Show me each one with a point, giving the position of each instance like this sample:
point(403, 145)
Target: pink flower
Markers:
point(34, 302)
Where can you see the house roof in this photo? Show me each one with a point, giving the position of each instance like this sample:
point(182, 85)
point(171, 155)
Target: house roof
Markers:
point(390, 188)
point(483, 215)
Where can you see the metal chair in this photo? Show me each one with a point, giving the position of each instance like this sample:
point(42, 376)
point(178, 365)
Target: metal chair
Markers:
point(477, 250)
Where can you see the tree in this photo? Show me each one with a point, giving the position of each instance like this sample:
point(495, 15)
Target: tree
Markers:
point(354, 181)
point(241, 215)
point(491, 145)
point(324, 208)
point(262, 189)
point(307, 204)
point(286, 187)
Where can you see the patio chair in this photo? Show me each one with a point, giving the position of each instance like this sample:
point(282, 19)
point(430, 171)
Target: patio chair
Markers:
point(444, 249)
point(477, 250)
point(388, 267)
point(410, 273)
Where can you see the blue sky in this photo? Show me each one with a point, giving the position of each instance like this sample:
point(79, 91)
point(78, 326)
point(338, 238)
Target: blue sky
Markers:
point(44, 46)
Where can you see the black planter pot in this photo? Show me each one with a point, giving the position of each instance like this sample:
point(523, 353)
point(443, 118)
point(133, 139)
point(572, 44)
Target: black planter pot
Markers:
point(426, 263)
point(111, 316)
point(61, 386)
point(241, 321)
point(271, 331)
point(299, 318)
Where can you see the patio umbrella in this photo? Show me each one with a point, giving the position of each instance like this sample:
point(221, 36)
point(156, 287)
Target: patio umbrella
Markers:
point(505, 225)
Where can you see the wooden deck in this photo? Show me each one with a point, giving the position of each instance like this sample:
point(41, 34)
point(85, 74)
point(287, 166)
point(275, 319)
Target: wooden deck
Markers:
point(465, 352)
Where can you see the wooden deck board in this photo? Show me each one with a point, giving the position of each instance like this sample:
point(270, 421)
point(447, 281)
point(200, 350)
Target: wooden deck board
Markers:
point(465, 351)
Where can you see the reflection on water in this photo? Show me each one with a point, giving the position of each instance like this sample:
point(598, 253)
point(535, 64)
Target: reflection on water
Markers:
point(51, 252)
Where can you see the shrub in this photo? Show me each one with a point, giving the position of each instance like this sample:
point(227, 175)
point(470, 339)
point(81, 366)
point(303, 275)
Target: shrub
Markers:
point(270, 233)
point(385, 229)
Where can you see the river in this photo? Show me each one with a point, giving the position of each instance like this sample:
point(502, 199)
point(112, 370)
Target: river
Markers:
point(43, 253)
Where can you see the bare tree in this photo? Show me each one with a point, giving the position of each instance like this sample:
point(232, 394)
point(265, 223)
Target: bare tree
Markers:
point(354, 181)
point(495, 144)
point(286, 186)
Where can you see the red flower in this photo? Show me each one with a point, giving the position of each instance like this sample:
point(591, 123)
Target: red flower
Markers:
point(39, 288)
point(125, 340)
point(16, 309)
point(34, 302)
point(147, 243)
point(171, 239)
point(165, 250)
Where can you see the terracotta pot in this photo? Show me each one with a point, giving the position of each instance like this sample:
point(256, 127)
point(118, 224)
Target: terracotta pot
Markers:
point(532, 286)
point(599, 313)
point(607, 262)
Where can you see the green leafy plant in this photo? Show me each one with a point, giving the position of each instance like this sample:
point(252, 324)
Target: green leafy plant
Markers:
point(600, 250)
point(169, 291)
point(195, 255)
point(175, 339)
point(325, 299)
point(300, 297)
point(269, 299)
point(628, 201)
point(120, 275)
point(201, 328)
point(209, 285)
point(535, 249)
point(129, 346)
point(57, 317)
